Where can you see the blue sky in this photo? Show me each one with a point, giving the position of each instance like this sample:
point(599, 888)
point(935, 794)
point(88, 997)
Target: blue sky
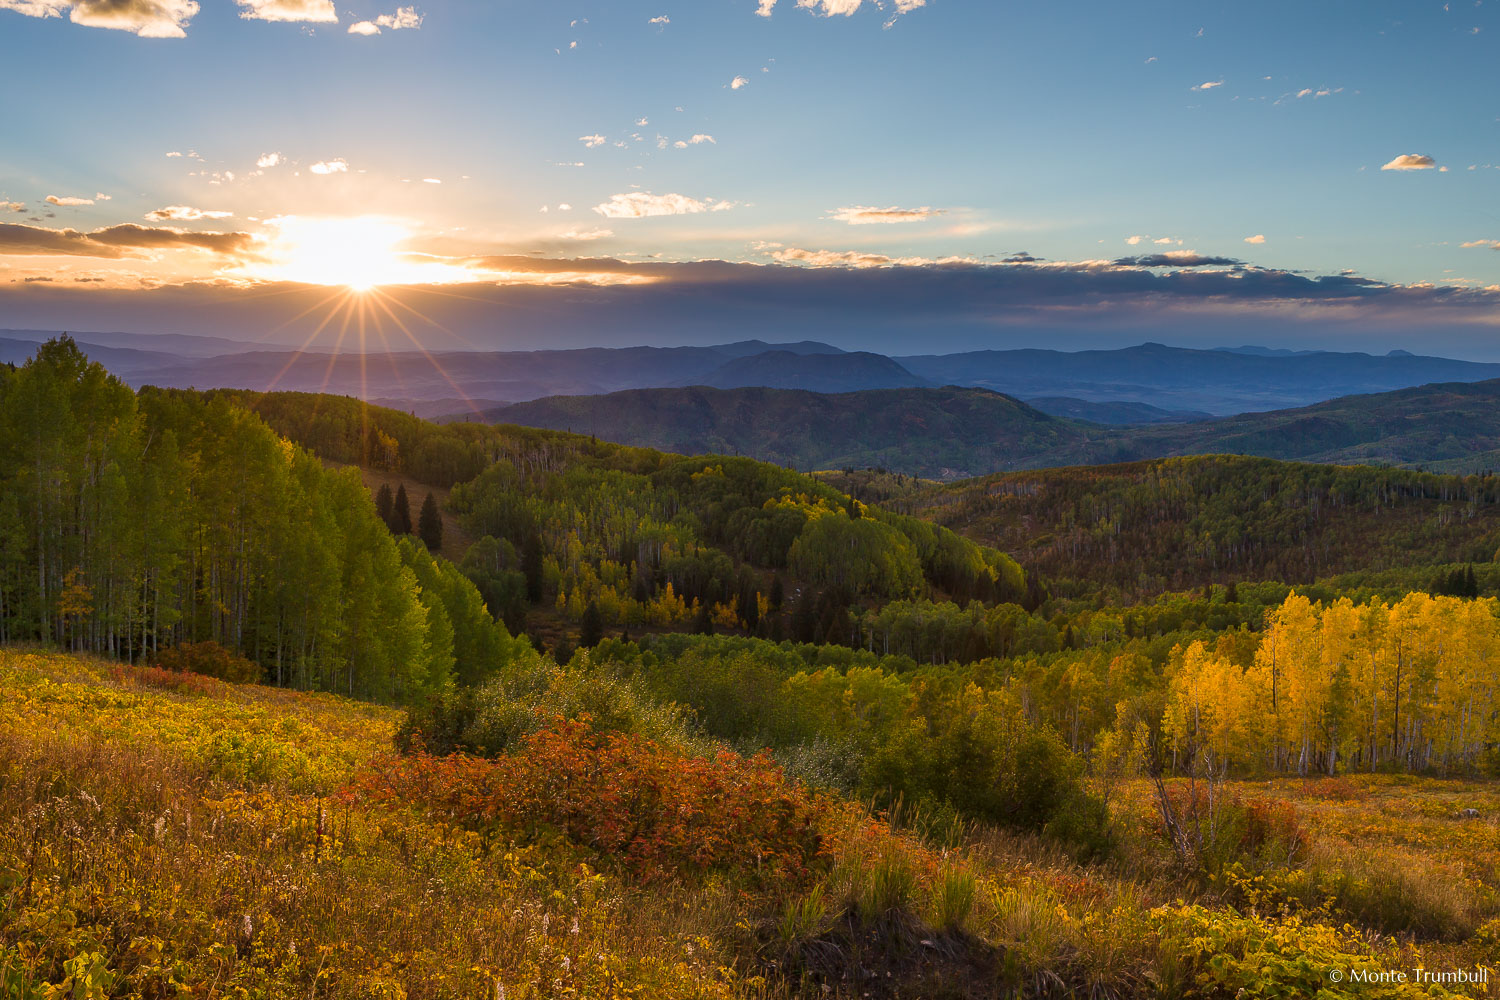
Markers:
point(1247, 140)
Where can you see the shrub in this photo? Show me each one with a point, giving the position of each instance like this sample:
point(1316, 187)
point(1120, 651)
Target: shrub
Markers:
point(656, 811)
point(1221, 829)
point(209, 659)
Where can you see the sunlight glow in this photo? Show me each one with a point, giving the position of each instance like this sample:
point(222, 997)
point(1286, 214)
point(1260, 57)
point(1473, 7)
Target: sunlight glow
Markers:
point(358, 253)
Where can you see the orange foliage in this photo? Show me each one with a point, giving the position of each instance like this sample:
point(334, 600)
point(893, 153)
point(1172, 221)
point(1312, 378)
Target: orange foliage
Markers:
point(657, 811)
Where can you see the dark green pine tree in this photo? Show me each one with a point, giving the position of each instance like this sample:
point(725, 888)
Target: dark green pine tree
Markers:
point(430, 525)
point(591, 627)
point(401, 513)
point(531, 566)
point(383, 503)
point(703, 622)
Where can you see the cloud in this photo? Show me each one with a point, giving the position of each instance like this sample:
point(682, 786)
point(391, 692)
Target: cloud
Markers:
point(865, 215)
point(338, 166)
point(696, 140)
point(314, 11)
point(643, 205)
point(12, 206)
point(588, 234)
point(590, 141)
point(101, 196)
point(1258, 238)
point(53, 199)
point(1134, 240)
point(766, 7)
point(116, 241)
point(268, 160)
point(1209, 85)
point(1490, 244)
point(146, 18)
point(660, 20)
point(1411, 161)
point(738, 83)
point(183, 213)
point(831, 8)
point(404, 18)
point(1177, 258)
point(1165, 240)
point(957, 305)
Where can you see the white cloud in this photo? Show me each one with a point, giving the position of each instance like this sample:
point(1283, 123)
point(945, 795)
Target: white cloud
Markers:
point(338, 166)
point(12, 206)
point(1411, 161)
point(590, 141)
point(315, 11)
point(664, 19)
point(643, 205)
point(766, 7)
point(831, 8)
point(268, 160)
point(1165, 240)
point(588, 234)
point(184, 213)
point(857, 259)
point(431, 180)
point(738, 82)
point(53, 199)
point(405, 17)
point(146, 18)
point(1489, 244)
point(101, 196)
point(1209, 85)
point(696, 140)
point(170, 155)
point(1134, 240)
point(1258, 238)
point(866, 215)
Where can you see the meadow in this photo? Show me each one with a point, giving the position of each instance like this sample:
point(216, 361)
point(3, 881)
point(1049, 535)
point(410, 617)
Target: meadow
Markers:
point(168, 834)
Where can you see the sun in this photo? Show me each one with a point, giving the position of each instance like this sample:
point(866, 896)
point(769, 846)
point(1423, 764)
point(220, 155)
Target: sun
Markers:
point(357, 253)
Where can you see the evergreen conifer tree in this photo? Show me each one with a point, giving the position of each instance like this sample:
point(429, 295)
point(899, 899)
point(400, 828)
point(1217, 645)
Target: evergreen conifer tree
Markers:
point(401, 513)
point(430, 525)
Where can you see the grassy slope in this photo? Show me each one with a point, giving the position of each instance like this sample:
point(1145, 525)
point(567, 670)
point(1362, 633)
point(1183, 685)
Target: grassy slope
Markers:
point(157, 840)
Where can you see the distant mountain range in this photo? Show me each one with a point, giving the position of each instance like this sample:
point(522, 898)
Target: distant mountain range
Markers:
point(811, 405)
point(1216, 381)
point(953, 433)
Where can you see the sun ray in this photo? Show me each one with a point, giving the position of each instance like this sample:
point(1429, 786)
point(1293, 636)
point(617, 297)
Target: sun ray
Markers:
point(379, 300)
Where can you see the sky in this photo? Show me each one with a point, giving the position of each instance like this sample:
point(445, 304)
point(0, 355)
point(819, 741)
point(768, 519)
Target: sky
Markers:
point(906, 176)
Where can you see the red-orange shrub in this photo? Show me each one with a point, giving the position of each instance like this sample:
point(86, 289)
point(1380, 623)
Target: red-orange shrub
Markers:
point(657, 811)
point(168, 680)
point(209, 659)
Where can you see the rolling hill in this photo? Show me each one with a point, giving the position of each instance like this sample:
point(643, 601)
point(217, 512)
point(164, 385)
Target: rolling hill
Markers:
point(942, 433)
point(952, 432)
point(1140, 528)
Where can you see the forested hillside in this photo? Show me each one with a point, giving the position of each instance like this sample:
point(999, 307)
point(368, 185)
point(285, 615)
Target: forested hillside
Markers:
point(130, 523)
point(1144, 527)
point(938, 433)
point(952, 433)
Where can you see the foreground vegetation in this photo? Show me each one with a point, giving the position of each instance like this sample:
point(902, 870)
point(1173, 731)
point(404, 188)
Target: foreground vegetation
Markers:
point(169, 835)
